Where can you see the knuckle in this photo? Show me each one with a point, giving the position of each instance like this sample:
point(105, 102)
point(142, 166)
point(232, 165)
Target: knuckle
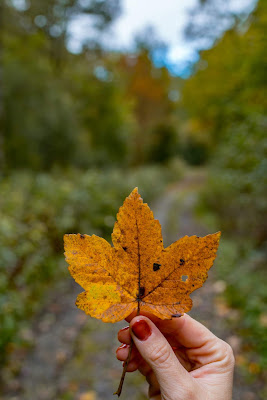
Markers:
point(161, 354)
point(227, 354)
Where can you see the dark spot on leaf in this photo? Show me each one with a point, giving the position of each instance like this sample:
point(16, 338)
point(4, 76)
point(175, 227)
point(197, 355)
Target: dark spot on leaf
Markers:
point(193, 285)
point(141, 292)
point(82, 236)
point(182, 261)
point(156, 266)
point(124, 248)
point(177, 303)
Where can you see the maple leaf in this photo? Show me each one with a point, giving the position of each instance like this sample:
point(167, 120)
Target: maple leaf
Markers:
point(138, 273)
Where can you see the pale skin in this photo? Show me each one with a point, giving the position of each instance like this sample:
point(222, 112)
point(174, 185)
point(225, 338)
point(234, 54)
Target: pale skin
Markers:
point(181, 359)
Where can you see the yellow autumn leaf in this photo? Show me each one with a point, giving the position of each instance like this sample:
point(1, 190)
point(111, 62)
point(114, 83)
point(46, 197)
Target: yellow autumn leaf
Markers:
point(138, 273)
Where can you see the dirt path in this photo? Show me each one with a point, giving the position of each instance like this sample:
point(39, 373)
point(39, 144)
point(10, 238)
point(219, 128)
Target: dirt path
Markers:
point(176, 212)
point(73, 356)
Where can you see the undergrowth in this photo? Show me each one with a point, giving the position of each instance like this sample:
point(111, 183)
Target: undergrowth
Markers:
point(36, 210)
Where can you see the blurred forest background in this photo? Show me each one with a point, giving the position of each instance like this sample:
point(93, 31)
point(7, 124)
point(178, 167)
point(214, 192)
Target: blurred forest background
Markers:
point(79, 131)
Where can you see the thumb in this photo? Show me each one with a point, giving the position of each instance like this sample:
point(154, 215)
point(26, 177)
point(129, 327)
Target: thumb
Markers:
point(175, 382)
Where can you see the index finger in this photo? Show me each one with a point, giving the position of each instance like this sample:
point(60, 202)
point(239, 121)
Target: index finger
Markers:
point(185, 330)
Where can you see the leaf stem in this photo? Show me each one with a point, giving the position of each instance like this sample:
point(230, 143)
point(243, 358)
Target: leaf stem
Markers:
point(118, 392)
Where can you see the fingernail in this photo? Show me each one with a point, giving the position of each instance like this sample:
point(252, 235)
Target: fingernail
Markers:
point(124, 329)
point(122, 346)
point(178, 315)
point(141, 329)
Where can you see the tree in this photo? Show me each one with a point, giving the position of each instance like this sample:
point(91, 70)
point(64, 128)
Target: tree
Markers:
point(228, 113)
point(229, 81)
point(53, 17)
point(102, 110)
point(42, 124)
point(148, 88)
point(211, 18)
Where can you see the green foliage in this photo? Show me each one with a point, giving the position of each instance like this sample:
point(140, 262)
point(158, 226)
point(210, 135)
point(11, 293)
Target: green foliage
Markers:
point(103, 115)
point(238, 183)
point(228, 115)
point(229, 82)
point(38, 120)
point(243, 269)
point(97, 111)
point(236, 193)
point(77, 120)
point(36, 210)
point(195, 152)
point(164, 143)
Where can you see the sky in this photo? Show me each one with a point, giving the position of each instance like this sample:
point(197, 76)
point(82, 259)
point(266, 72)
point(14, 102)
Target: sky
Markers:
point(168, 17)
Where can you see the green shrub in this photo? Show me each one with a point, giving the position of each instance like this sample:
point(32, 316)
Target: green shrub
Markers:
point(236, 194)
point(36, 210)
point(238, 184)
point(243, 269)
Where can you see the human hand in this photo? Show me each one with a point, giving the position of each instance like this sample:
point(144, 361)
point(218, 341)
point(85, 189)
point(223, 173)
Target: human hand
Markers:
point(180, 358)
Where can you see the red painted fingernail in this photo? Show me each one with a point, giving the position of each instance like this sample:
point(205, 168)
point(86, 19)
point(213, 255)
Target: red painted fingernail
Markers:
point(141, 329)
point(122, 346)
point(124, 329)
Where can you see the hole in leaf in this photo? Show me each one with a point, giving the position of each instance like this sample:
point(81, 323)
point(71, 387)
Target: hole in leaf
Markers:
point(184, 278)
